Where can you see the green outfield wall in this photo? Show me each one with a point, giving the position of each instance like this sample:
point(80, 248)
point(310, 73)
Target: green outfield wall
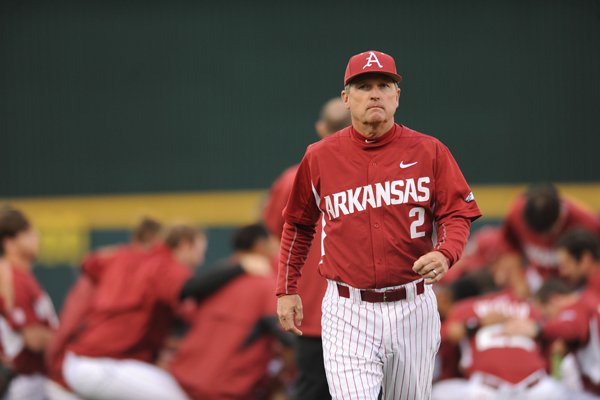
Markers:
point(145, 96)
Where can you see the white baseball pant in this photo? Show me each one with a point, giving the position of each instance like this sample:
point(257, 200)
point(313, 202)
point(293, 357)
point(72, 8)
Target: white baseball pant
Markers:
point(56, 392)
point(475, 388)
point(30, 387)
point(387, 346)
point(111, 379)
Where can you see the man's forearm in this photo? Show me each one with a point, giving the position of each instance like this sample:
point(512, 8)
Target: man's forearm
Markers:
point(452, 237)
point(36, 337)
point(295, 244)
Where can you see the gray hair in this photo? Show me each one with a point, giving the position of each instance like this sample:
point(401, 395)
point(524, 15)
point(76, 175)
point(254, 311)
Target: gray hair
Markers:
point(349, 84)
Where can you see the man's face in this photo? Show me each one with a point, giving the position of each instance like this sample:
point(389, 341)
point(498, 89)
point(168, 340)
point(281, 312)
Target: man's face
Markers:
point(25, 244)
point(268, 247)
point(569, 268)
point(199, 251)
point(192, 253)
point(372, 99)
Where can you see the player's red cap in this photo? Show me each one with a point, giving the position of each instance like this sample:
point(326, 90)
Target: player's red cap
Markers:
point(371, 61)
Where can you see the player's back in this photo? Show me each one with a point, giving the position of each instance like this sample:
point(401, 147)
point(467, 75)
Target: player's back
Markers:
point(491, 351)
point(227, 350)
point(130, 316)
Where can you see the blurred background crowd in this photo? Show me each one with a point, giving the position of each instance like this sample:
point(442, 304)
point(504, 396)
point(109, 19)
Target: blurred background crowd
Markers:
point(128, 125)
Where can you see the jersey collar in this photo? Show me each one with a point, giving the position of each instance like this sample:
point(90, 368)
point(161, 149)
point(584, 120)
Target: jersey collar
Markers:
point(379, 142)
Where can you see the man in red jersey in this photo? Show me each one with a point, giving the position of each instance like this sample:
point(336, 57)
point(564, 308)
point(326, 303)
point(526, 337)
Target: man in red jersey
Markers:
point(78, 302)
point(380, 188)
point(577, 323)
point(132, 312)
point(579, 257)
point(498, 365)
point(28, 318)
point(226, 353)
point(533, 225)
point(311, 382)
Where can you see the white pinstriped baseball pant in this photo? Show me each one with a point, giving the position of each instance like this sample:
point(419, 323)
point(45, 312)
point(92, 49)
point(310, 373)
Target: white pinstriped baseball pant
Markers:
point(368, 347)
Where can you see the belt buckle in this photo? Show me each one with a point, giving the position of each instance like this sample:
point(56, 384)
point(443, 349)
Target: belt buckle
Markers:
point(384, 297)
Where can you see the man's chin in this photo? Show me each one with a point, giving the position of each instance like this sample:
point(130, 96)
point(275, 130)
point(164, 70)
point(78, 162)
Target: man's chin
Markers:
point(376, 120)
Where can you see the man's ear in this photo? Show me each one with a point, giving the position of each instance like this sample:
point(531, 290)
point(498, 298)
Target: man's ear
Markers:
point(345, 99)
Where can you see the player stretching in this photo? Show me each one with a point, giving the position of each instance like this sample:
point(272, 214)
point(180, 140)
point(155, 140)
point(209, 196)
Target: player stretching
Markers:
point(384, 191)
point(132, 312)
point(27, 320)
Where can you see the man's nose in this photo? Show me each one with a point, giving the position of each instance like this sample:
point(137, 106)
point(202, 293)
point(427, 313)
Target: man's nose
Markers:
point(375, 93)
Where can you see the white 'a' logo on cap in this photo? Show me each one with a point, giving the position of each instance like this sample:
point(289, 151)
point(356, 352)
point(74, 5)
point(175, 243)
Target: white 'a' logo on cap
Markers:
point(372, 60)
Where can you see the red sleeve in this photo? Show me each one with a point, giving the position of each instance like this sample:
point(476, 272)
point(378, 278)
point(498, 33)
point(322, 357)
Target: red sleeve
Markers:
point(94, 264)
point(278, 197)
point(455, 206)
point(92, 267)
point(302, 207)
point(301, 215)
point(572, 324)
point(295, 244)
point(169, 282)
point(453, 236)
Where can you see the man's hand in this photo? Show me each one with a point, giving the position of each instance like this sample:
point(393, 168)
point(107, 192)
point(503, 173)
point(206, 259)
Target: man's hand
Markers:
point(432, 266)
point(521, 327)
point(255, 264)
point(289, 311)
point(493, 318)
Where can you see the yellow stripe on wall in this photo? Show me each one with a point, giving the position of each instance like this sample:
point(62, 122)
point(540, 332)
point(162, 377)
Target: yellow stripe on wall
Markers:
point(228, 208)
point(123, 211)
point(495, 200)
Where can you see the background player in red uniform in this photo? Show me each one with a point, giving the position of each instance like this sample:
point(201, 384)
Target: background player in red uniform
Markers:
point(311, 382)
point(28, 318)
point(577, 324)
point(227, 351)
point(132, 312)
point(489, 354)
point(379, 188)
point(579, 255)
point(78, 303)
point(532, 227)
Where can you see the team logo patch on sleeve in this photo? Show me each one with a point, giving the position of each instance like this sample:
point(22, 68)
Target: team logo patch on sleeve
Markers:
point(470, 197)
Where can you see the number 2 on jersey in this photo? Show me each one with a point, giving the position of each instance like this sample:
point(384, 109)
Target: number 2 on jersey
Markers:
point(418, 212)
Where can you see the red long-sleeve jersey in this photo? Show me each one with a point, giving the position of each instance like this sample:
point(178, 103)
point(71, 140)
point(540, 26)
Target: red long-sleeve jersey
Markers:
point(382, 202)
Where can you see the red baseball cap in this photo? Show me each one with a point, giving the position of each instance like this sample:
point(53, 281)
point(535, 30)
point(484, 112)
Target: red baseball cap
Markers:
point(371, 61)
